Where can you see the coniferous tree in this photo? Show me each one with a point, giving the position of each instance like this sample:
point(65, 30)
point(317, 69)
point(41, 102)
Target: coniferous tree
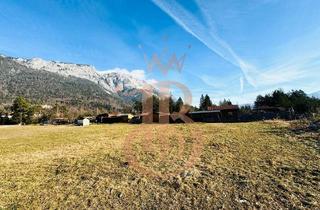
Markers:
point(22, 111)
point(225, 102)
point(137, 107)
point(171, 105)
point(207, 102)
point(155, 104)
point(178, 105)
point(298, 100)
point(201, 105)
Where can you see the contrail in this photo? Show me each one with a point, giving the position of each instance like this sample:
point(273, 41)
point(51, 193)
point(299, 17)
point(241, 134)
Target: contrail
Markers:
point(208, 37)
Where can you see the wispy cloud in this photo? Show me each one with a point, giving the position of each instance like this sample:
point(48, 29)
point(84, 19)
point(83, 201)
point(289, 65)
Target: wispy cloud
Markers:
point(206, 34)
point(212, 81)
point(286, 69)
point(290, 71)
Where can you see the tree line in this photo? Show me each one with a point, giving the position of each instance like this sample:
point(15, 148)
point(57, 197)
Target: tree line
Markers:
point(205, 102)
point(174, 105)
point(24, 112)
point(297, 100)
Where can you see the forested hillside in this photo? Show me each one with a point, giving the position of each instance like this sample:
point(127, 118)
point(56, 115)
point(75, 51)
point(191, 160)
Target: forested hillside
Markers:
point(46, 87)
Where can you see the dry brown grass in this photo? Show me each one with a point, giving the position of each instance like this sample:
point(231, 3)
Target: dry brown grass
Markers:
point(245, 165)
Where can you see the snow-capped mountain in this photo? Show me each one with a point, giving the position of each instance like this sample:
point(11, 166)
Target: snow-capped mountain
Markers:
point(120, 82)
point(42, 86)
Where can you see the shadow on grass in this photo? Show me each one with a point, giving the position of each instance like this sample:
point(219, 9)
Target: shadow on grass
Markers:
point(296, 135)
point(299, 171)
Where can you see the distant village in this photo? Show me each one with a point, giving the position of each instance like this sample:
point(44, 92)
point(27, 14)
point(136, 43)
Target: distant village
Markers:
point(276, 105)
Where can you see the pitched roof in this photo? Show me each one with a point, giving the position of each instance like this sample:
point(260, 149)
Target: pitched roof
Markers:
point(205, 112)
point(224, 107)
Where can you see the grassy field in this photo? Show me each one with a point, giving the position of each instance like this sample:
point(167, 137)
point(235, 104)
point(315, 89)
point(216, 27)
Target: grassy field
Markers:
point(245, 165)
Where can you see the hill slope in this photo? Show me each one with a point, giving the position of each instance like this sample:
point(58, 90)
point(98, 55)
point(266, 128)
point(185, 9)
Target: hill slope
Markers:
point(121, 84)
point(45, 86)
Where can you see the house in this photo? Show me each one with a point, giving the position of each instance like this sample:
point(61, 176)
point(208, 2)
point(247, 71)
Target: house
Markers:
point(92, 119)
point(162, 117)
point(152, 117)
point(6, 119)
point(125, 117)
point(60, 121)
point(9, 116)
point(119, 118)
point(136, 120)
point(225, 113)
point(83, 122)
point(205, 116)
point(270, 112)
point(228, 113)
point(101, 117)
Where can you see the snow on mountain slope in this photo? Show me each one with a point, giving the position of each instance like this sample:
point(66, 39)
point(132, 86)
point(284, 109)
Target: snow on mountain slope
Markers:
point(116, 81)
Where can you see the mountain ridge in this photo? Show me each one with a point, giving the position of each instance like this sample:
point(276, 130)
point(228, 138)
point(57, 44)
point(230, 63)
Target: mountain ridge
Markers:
point(79, 80)
point(112, 82)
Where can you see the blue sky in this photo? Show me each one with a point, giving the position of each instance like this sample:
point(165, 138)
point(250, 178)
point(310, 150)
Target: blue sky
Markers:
point(234, 49)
